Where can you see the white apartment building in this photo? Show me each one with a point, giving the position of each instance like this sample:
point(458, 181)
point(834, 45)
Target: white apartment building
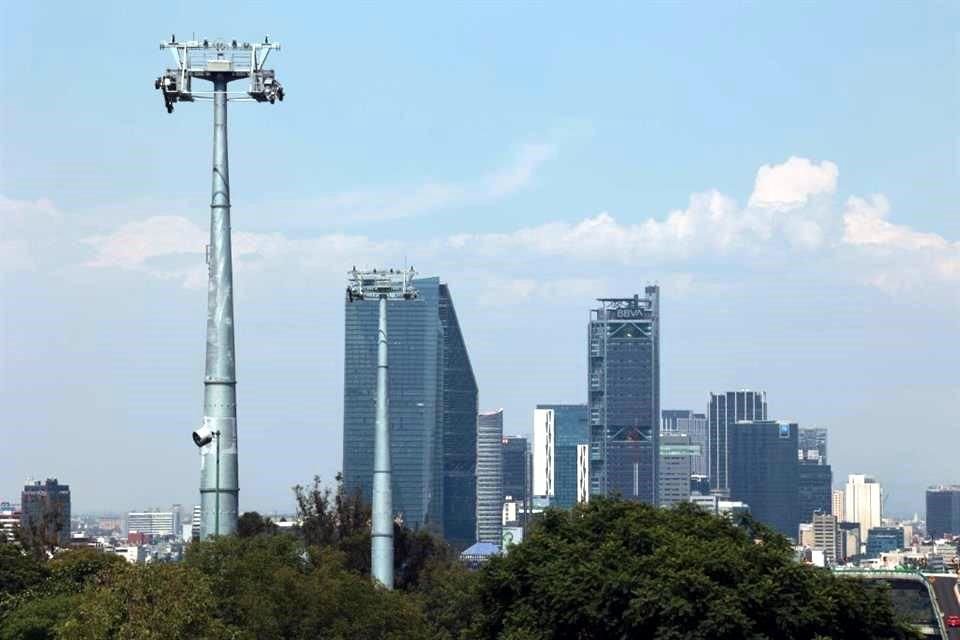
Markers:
point(862, 503)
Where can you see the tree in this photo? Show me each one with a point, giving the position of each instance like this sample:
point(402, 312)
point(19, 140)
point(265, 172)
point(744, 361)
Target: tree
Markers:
point(168, 601)
point(36, 612)
point(274, 587)
point(18, 570)
point(615, 569)
point(341, 520)
point(252, 523)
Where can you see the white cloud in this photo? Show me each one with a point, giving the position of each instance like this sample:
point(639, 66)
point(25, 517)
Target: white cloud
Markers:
point(152, 245)
point(28, 230)
point(429, 197)
point(858, 241)
point(528, 160)
point(793, 183)
point(895, 257)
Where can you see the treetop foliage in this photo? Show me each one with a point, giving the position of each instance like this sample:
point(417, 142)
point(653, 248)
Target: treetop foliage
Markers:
point(608, 570)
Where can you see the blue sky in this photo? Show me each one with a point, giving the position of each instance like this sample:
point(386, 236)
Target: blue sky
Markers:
point(789, 176)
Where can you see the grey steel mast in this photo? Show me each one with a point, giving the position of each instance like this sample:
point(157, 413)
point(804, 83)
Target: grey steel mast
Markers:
point(219, 63)
point(383, 285)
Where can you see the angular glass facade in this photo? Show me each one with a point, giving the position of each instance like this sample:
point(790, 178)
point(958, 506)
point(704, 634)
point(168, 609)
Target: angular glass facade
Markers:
point(459, 420)
point(431, 393)
point(623, 391)
point(764, 471)
point(725, 410)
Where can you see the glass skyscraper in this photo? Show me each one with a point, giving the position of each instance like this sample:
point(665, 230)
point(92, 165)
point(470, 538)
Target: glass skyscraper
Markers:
point(725, 410)
point(623, 391)
point(764, 471)
point(516, 473)
point(432, 396)
point(943, 511)
point(489, 477)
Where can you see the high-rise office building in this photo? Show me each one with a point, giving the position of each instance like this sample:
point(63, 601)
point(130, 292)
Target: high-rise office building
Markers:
point(623, 390)
point(489, 476)
point(826, 536)
point(432, 397)
point(692, 424)
point(943, 511)
point(515, 451)
point(45, 512)
point(812, 445)
point(195, 519)
point(725, 410)
point(558, 429)
point(677, 453)
point(764, 471)
point(814, 483)
point(836, 504)
point(862, 503)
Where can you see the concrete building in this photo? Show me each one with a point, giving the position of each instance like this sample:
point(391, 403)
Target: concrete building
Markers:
point(45, 511)
point(862, 503)
point(155, 523)
point(826, 536)
point(9, 520)
point(623, 392)
point(432, 397)
point(850, 540)
point(489, 476)
point(943, 511)
point(719, 506)
point(836, 504)
point(558, 429)
point(677, 453)
point(694, 425)
point(195, 522)
point(764, 471)
point(726, 409)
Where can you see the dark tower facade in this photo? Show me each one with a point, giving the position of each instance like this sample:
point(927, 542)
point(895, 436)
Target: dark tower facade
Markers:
point(726, 409)
point(623, 391)
point(432, 410)
point(764, 472)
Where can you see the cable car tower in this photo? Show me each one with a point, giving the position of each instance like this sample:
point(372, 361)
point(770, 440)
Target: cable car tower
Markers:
point(220, 63)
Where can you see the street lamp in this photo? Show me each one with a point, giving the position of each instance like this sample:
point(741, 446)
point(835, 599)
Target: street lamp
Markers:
point(382, 285)
point(219, 62)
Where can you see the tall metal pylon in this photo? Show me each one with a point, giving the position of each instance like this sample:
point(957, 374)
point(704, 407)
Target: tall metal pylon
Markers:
point(219, 62)
point(382, 285)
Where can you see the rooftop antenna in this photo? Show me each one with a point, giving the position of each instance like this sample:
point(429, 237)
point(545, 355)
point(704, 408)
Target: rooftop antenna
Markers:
point(383, 285)
point(220, 63)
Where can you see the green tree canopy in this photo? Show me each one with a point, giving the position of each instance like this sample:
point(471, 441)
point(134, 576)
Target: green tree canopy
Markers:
point(615, 569)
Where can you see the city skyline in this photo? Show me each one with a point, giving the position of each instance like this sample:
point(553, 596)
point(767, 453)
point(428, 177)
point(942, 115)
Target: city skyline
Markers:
point(800, 253)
